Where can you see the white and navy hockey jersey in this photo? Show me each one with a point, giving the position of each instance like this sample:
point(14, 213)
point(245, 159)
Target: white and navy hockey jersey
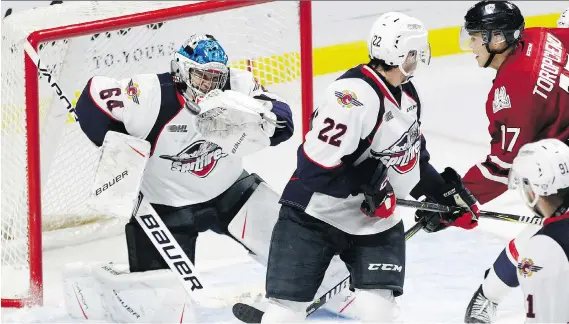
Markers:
point(184, 168)
point(361, 117)
point(543, 272)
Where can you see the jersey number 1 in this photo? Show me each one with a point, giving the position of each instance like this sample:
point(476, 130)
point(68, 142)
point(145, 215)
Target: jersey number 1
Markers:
point(530, 313)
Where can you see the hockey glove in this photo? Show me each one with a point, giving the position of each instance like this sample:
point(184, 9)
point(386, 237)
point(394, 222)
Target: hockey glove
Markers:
point(379, 196)
point(452, 194)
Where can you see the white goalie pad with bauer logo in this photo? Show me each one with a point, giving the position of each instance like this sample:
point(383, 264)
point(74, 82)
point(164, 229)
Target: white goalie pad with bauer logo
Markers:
point(119, 175)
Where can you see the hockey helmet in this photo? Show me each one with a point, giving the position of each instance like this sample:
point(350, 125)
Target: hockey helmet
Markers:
point(200, 64)
point(540, 169)
point(496, 22)
point(399, 40)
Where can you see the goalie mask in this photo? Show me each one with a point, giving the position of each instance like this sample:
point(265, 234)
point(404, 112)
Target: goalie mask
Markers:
point(200, 64)
point(540, 169)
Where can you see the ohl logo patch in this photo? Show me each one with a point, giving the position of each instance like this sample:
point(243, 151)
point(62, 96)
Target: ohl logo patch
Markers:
point(527, 267)
point(133, 91)
point(347, 99)
point(199, 158)
point(402, 155)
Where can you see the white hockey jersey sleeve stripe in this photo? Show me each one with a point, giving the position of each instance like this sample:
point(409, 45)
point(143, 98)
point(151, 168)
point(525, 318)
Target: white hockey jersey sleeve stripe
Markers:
point(488, 175)
point(320, 165)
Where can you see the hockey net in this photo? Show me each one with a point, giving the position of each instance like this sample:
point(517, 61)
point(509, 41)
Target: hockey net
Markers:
point(48, 164)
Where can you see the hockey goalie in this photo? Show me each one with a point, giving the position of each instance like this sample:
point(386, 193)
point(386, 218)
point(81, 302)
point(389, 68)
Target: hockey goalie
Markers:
point(179, 138)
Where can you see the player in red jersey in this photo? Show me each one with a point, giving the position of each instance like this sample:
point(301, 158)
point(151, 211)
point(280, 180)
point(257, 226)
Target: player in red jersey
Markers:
point(528, 101)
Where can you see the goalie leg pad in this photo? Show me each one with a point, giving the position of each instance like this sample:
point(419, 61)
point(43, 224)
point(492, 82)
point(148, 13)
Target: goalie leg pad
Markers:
point(253, 224)
point(82, 293)
point(113, 294)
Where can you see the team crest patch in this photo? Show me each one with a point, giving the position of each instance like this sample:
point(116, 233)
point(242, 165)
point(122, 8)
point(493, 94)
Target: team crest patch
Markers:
point(133, 91)
point(501, 100)
point(403, 155)
point(198, 158)
point(347, 99)
point(526, 267)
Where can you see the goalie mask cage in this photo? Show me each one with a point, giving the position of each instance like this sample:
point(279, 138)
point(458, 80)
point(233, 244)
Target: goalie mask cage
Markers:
point(48, 164)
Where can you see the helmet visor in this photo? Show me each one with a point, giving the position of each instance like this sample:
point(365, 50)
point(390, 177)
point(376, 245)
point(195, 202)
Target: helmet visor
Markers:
point(515, 181)
point(415, 57)
point(208, 77)
point(470, 39)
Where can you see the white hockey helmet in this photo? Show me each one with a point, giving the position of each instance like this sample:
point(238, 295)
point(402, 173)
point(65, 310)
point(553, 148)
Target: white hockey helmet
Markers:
point(399, 40)
point(563, 21)
point(540, 169)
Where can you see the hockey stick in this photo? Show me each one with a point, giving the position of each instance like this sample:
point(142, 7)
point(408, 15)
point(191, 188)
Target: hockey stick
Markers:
point(250, 314)
point(533, 220)
point(152, 224)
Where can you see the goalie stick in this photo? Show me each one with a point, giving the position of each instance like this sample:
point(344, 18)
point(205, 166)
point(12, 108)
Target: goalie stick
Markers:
point(152, 224)
point(249, 314)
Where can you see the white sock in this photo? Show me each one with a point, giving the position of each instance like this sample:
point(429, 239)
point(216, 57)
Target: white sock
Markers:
point(377, 305)
point(284, 311)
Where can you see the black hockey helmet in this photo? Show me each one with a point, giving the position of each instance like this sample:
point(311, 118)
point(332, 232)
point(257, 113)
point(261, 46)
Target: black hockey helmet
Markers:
point(493, 18)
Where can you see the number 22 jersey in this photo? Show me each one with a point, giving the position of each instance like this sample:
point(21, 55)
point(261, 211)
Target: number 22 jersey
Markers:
point(360, 117)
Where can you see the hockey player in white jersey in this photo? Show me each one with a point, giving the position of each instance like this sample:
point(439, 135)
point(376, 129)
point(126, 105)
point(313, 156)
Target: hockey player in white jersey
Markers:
point(365, 148)
point(541, 172)
point(193, 183)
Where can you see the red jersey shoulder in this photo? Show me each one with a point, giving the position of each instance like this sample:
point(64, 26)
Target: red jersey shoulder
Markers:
point(532, 72)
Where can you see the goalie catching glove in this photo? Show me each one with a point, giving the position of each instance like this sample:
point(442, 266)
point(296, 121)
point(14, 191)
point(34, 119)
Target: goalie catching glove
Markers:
point(452, 194)
point(238, 123)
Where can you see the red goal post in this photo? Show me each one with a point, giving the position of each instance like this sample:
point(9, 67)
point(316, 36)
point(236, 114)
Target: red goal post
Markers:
point(32, 120)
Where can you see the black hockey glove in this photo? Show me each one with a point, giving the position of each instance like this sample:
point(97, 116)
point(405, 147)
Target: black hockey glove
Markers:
point(379, 196)
point(453, 193)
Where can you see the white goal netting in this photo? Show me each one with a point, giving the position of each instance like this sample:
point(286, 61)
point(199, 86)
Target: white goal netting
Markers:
point(263, 38)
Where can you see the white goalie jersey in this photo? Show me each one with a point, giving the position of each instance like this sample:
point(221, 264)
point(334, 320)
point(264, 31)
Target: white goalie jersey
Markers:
point(184, 167)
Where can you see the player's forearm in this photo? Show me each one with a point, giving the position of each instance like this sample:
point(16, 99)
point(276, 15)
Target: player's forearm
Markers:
point(431, 181)
point(284, 117)
point(314, 177)
point(483, 184)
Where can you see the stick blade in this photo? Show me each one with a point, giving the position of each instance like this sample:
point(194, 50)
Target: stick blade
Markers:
point(246, 313)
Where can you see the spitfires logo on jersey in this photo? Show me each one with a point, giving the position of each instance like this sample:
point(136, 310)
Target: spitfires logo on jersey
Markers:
point(133, 91)
point(404, 153)
point(199, 158)
point(347, 99)
point(527, 267)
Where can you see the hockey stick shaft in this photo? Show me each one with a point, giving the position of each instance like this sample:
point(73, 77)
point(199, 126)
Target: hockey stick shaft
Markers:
point(485, 214)
point(152, 224)
point(168, 247)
